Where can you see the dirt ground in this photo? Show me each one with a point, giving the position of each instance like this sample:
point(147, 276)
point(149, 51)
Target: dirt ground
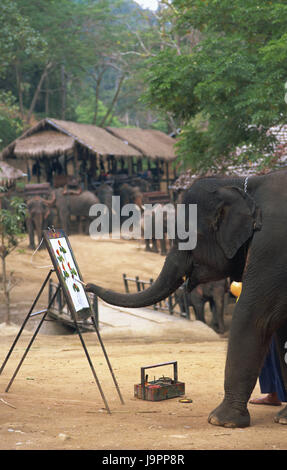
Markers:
point(54, 402)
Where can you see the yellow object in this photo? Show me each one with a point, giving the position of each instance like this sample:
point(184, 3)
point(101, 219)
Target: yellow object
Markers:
point(236, 288)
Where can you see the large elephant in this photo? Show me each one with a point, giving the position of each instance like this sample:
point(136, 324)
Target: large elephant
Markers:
point(210, 292)
point(72, 204)
point(241, 234)
point(39, 217)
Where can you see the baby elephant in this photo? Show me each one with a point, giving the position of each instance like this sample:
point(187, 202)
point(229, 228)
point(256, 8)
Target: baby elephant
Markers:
point(212, 292)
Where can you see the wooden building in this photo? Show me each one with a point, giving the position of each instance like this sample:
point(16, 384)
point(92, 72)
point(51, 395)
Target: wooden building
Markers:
point(53, 149)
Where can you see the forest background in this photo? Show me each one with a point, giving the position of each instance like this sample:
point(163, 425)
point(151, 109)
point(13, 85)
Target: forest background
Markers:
point(215, 69)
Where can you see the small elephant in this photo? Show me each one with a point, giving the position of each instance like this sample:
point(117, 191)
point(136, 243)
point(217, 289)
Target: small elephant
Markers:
point(211, 292)
point(73, 204)
point(39, 217)
point(105, 194)
point(129, 194)
point(151, 218)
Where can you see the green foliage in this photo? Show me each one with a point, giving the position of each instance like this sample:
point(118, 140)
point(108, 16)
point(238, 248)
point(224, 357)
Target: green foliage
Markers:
point(11, 125)
point(12, 225)
point(52, 52)
point(11, 230)
point(85, 112)
point(234, 76)
point(17, 37)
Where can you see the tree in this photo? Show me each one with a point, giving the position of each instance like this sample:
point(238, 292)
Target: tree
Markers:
point(11, 125)
point(228, 89)
point(52, 54)
point(11, 229)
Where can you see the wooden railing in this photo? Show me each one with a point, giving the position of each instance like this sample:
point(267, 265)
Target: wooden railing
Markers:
point(174, 304)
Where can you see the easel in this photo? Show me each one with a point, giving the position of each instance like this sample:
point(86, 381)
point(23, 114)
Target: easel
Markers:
point(74, 316)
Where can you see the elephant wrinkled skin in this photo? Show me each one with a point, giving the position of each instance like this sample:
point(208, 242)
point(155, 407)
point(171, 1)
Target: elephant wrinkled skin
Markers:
point(241, 234)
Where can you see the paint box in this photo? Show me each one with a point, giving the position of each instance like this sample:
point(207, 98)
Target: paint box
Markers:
point(159, 389)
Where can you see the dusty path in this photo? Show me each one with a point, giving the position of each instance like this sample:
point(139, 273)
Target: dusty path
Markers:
point(54, 402)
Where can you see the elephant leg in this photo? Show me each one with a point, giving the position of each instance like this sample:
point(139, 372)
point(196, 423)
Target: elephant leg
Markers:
point(64, 219)
point(245, 356)
point(179, 296)
point(147, 245)
point(214, 321)
point(199, 310)
point(154, 245)
point(217, 309)
point(87, 223)
point(30, 228)
point(163, 246)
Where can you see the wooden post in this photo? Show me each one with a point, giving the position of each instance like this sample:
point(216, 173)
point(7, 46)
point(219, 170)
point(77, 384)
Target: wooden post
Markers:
point(167, 176)
point(75, 162)
point(126, 283)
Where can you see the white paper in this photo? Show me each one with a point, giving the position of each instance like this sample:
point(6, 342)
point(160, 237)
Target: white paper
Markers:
point(69, 272)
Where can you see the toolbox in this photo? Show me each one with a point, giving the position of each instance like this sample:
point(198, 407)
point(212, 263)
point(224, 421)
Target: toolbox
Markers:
point(159, 389)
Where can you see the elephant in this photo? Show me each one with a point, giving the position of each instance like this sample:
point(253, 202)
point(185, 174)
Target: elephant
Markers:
point(129, 194)
point(39, 217)
point(105, 193)
point(72, 204)
point(211, 292)
point(151, 215)
point(241, 233)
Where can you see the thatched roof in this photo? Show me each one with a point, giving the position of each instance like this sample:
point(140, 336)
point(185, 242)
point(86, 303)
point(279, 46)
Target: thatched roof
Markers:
point(95, 138)
point(52, 137)
point(8, 173)
point(151, 143)
point(50, 143)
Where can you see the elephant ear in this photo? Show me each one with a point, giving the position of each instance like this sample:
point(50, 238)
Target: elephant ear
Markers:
point(237, 217)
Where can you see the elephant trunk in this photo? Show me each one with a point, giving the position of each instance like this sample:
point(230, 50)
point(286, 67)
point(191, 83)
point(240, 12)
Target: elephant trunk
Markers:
point(169, 279)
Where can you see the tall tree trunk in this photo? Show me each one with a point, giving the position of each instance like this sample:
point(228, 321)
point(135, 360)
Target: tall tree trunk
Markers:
point(47, 95)
point(64, 92)
point(97, 95)
point(37, 92)
point(111, 107)
point(19, 87)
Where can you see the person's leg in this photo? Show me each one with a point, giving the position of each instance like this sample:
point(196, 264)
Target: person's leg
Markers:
point(270, 380)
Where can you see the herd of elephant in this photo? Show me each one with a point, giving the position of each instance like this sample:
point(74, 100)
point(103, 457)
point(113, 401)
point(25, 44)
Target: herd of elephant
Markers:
point(43, 213)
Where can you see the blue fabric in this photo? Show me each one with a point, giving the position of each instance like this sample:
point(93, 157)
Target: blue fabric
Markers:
point(270, 378)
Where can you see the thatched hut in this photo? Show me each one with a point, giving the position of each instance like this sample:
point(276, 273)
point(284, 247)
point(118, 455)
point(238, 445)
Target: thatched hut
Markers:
point(54, 149)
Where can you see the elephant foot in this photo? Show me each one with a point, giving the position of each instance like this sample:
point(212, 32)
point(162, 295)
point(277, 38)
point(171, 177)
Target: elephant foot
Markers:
point(218, 329)
point(228, 417)
point(281, 417)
